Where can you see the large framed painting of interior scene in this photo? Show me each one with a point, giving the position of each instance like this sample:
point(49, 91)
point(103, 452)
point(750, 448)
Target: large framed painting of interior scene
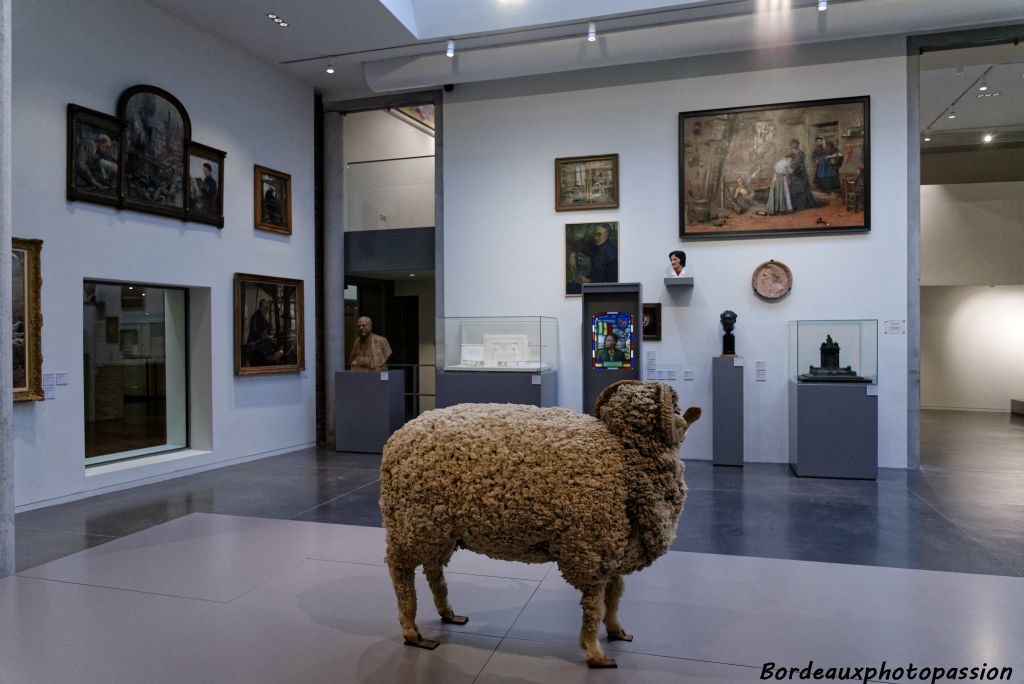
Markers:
point(784, 169)
point(27, 319)
point(268, 325)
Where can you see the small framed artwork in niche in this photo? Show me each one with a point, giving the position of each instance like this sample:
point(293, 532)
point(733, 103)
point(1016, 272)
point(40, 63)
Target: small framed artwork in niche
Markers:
point(583, 183)
point(272, 200)
point(94, 156)
point(206, 185)
point(797, 168)
point(157, 133)
point(27, 319)
point(612, 340)
point(268, 325)
point(652, 321)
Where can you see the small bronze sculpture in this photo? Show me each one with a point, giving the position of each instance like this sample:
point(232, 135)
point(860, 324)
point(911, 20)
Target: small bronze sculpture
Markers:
point(728, 319)
point(830, 370)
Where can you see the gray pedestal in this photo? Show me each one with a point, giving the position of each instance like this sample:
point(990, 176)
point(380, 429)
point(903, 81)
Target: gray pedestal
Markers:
point(483, 387)
point(1017, 406)
point(833, 430)
point(367, 409)
point(727, 411)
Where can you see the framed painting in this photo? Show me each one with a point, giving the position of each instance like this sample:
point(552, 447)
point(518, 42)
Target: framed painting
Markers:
point(583, 183)
point(798, 168)
point(652, 321)
point(272, 200)
point(268, 325)
point(591, 254)
point(27, 319)
point(157, 132)
point(205, 185)
point(94, 156)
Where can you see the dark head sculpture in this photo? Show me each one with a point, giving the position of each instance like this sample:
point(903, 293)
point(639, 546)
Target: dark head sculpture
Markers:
point(728, 319)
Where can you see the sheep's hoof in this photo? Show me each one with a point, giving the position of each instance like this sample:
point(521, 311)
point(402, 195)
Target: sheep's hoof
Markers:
point(455, 620)
point(607, 663)
point(619, 636)
point(428, 644)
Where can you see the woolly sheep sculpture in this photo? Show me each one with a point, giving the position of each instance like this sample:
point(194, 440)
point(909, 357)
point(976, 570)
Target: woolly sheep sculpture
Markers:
point(599, 496)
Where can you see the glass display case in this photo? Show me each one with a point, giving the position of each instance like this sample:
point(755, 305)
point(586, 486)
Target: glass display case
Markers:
point(844, 351)
point(499, 343)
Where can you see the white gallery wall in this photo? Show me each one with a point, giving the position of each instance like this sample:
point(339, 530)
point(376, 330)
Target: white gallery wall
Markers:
point(504, 243)
point(972, 295)
point(87, 53)
point(972, 347)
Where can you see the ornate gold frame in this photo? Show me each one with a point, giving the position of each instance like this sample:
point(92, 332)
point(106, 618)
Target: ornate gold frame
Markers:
point(33, 388)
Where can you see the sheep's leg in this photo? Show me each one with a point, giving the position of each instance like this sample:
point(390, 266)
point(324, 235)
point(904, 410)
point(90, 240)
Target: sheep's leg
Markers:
point(439, 588)
point(612, 594)
point(404, 579)
point(593, 607)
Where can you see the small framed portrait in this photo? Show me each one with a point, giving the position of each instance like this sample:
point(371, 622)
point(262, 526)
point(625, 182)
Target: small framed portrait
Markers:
point(591, 254)
point(268, 325)
point(94, 156)
point(652, 321)
point(27, 319)
point(273, 200)
point(583, 183)
point(205, 185)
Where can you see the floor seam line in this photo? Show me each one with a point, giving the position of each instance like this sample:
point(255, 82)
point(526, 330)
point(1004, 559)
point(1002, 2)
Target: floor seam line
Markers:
point(132, 591)
point(268, 580)
point(340, 496)
point(967, 534)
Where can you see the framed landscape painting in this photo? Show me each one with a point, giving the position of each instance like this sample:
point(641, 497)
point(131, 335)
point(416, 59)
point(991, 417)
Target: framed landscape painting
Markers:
point(268, 325)
point(583, 183)
point(799, 168)
point(27, 319)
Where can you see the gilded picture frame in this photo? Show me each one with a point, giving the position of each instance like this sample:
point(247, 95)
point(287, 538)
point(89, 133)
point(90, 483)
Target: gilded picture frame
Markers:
point(272, 200)
point(27, 318)
point(269, 332)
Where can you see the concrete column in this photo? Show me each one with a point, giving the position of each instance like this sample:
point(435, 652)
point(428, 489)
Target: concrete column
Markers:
point(6, 361)
point(334, 263)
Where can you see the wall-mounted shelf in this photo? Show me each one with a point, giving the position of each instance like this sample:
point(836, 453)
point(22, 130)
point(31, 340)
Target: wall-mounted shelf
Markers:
point(685, 281)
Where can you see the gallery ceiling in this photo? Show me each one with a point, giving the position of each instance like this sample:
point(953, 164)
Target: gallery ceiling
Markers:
point(378, 46)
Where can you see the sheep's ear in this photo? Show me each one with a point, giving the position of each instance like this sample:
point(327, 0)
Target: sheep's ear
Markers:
point(692, 415)
point(681, 423)
point(607, 393)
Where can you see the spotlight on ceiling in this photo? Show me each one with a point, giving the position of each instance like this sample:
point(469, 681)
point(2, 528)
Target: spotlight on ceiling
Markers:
point(822, 5)
point(927, 139)
point(271, 16)
point(283, 24)
point(951, 115)
point(591, 32)
point(988, 137)
point(984, 84)
point(451, 49)
point(330, 69)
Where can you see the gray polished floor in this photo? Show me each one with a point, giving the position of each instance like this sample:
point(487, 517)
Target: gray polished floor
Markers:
point(223, 598)
point(227, 576)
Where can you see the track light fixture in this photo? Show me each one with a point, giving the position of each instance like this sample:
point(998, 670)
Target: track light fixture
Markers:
point(451, 49)
point(330, 69)
point(952, 114)
point(591, 32)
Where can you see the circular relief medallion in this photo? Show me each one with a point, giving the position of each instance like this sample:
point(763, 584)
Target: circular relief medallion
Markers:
point(772, 279)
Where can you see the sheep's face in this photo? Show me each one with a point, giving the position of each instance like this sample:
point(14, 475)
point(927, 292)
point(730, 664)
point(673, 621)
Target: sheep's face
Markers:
point(645, 412)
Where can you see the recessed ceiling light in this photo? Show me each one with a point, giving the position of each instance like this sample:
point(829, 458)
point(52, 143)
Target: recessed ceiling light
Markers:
point(822, 5)
point(412, 275)
point(988, 137)
point(591, 32)
point(330, 69)
point(927, 139)
point(271, 16)
point(450, 50)
point(278, 19)
point(283, 24)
